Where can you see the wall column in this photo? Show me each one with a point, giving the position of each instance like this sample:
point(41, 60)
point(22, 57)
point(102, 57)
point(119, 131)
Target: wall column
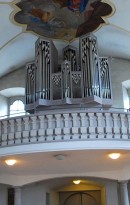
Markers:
point(124, 193)
point(17, 196)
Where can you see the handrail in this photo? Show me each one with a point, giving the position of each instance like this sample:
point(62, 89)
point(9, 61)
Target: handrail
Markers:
point(81, 107)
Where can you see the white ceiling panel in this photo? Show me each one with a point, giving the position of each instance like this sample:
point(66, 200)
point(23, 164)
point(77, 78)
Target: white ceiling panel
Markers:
point(19, 51)
point(8, 30)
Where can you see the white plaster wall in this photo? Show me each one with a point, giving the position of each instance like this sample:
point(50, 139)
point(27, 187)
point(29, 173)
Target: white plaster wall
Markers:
point(125, 98)
point(35, 194)
point(54, 200)
point(3, 106)
point(13, 79)
point(112, 193)
point(120, 72)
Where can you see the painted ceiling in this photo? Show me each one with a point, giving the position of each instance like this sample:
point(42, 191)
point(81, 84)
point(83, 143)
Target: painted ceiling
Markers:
point(23, 21)
point(64, 19)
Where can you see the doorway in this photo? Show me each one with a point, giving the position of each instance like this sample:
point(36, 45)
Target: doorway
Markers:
point(80, 198)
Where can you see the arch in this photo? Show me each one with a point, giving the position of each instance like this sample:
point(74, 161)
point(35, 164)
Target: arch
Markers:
point(17, 108)
point(92, 200)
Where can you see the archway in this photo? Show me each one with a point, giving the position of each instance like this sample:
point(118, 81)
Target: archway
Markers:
point(81, 198)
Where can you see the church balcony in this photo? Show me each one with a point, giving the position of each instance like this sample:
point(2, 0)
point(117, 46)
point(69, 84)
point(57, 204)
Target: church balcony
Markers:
point(82, 128)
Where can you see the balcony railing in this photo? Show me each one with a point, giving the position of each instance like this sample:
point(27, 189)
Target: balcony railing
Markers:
point(65, 125)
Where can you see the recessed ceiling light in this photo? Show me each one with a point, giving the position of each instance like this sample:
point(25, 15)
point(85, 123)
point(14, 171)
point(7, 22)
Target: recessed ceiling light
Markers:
point(10, 162)
point(76, 181)
point(114, 155)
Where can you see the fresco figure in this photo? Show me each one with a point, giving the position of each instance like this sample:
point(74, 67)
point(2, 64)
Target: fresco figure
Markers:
point(77, 6)
point(44, 16)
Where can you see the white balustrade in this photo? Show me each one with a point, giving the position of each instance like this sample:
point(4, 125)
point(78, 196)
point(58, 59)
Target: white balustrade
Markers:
point(124, 126)
point(50, 128)
point(59, 126)
point(66, 126)
point(75, 126)
point(18, 133)
point(11, 132)
point(84, 125)
point(0, 133)
point(100, 125)
point(26, 130)
point(5, 132)
point(42, 128)
point(33, 130)
point(108, 125)
point(92, 127)
point(116, 126)
point(128, 118)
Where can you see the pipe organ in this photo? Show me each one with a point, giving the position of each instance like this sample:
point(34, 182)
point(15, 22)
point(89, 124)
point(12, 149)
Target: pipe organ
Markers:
point(80, 80)
point(46, 60)
point(30, 83)
point(70, 53)
point(105, 80)
point(90, 66)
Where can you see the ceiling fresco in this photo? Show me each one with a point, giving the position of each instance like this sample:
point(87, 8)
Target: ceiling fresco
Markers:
point(62, 19)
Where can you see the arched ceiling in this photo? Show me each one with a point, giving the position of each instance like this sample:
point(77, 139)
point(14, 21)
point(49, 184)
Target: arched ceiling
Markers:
point(44, 165)
point(23, 21)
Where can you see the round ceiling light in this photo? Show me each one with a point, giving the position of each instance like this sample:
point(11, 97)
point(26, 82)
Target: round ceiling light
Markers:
point(10, 162)
point(114, 155)
point(60, 156)
point(76, 181)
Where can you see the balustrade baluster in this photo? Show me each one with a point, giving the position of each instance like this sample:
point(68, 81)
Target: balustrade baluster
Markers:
point(0, 133)
point(67, 125)
point(84, 125)
point(42, 128)
point(5, 132)
point(124, 126)
point(92, 127)
point(18, 134)
point(50, 130)
point(116, 126)
point(128, 118)
point(59, 126)
point(26, 130)
point(33, 131)
point(100, 125)
point(75, 125)
point(11, 134)
point(108, 125)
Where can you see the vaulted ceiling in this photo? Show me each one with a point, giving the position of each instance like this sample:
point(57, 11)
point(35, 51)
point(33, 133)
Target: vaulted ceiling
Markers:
point(22, 22)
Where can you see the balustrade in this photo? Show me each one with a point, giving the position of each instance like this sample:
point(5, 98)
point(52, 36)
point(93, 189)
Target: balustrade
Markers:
point(66, 126)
